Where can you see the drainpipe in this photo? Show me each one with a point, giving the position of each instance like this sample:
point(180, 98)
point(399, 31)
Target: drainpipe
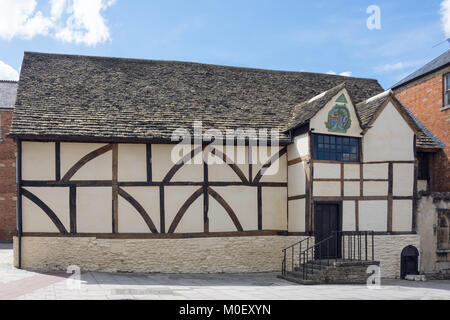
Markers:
point(19, 200)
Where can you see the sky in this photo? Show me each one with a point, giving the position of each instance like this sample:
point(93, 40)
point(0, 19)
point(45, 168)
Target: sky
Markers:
point(385, 40)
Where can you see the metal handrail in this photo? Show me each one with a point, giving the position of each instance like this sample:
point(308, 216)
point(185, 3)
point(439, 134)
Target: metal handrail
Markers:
point(356, 251)
point(292, 247)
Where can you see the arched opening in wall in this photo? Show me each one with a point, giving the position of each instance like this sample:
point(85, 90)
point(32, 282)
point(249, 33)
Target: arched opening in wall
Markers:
point(409, 261)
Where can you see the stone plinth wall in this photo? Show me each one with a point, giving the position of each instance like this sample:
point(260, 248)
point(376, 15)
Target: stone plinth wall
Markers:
point(200, 255)
point(347, 272)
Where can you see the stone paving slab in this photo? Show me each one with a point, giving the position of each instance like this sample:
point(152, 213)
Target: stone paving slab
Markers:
point(34, 285)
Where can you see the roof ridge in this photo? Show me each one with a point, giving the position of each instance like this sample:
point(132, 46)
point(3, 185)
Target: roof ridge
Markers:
point(141, 60)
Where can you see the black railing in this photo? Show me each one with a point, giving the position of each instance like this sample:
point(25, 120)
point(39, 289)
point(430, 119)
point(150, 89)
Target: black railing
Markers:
point(340, 246)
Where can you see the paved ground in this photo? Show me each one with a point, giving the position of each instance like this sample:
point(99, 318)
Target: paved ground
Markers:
point(22, 284)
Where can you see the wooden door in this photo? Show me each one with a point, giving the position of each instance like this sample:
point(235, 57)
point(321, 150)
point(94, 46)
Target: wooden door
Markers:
point(327, 221)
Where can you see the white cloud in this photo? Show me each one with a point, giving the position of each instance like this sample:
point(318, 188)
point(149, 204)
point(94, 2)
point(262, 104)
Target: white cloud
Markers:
point(7, 72)
point(345, 73)
point(85, 23)
point(73, 21)
point(397, 66)
point(18, 18)
point(445, 12)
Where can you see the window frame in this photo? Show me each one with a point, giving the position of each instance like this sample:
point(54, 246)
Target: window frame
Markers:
point(315, 148)
point(446, 91)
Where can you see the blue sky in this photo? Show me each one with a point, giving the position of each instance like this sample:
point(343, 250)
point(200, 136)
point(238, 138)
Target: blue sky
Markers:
point(315, 36)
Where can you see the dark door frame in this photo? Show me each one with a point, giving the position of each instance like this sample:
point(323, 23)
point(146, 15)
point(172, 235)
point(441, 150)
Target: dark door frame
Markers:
point(339, 222)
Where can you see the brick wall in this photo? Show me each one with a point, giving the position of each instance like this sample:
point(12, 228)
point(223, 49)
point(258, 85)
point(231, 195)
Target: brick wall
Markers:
point(7, 179)
point(424, 97)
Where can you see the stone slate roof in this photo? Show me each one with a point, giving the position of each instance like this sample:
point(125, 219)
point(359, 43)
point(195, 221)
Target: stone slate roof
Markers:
point(95, 97)
point(367, 110)
point(303, 112)
point(8, 91)
point(438, 63)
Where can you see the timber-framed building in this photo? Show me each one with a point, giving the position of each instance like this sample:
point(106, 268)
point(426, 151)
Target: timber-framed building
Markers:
point(97, 186)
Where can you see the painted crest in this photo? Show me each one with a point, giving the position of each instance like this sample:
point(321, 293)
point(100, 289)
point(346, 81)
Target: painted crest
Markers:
point(339, 117)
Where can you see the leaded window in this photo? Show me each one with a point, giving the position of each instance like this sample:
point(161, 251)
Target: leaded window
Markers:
point(336, 148)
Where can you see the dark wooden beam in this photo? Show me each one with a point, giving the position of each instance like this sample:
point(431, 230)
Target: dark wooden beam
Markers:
point(115, 189)
point(73, 209)
point(390, 196)
point(162, 215)
point(57, 161)
point(260, 208)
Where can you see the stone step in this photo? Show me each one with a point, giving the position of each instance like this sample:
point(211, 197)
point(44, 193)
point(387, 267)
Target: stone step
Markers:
point(337, 272)
point(299, 280)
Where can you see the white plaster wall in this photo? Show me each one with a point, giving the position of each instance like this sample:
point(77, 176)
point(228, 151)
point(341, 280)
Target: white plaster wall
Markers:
point(318, 121)
point(223, 172)
point(99, 168)
point(94, 210)
point(389, 139)
point(373, 215)
point(403, 175)
point(219, 219)
point(376, 171)
point(402, 211)
point(274, 208)
point(348, 216)
point(327, 171)
point(351, 171)
point(38, 160)
point(174, 198)
point(296, 218)
point(277, 172)
point(132, 165)
point(130, 221)
point(300, 147)
point(352, 189)
point(297, 179)
point(162, 163)
point(376, 188)
point(244, 202)
point(326, 189)
point(34, 219)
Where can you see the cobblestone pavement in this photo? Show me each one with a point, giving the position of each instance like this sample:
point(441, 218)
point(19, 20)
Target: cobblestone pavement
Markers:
point(23, 284)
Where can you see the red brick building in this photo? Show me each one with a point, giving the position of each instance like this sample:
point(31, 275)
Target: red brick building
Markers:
point(7, 162)
point(426, 93)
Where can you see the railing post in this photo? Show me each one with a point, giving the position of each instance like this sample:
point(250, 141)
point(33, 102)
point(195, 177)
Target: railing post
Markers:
point(365, 242)
point(284, 262)
point(304, 266)
point(373, 248)
point(359, 246)
point(292, 258)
